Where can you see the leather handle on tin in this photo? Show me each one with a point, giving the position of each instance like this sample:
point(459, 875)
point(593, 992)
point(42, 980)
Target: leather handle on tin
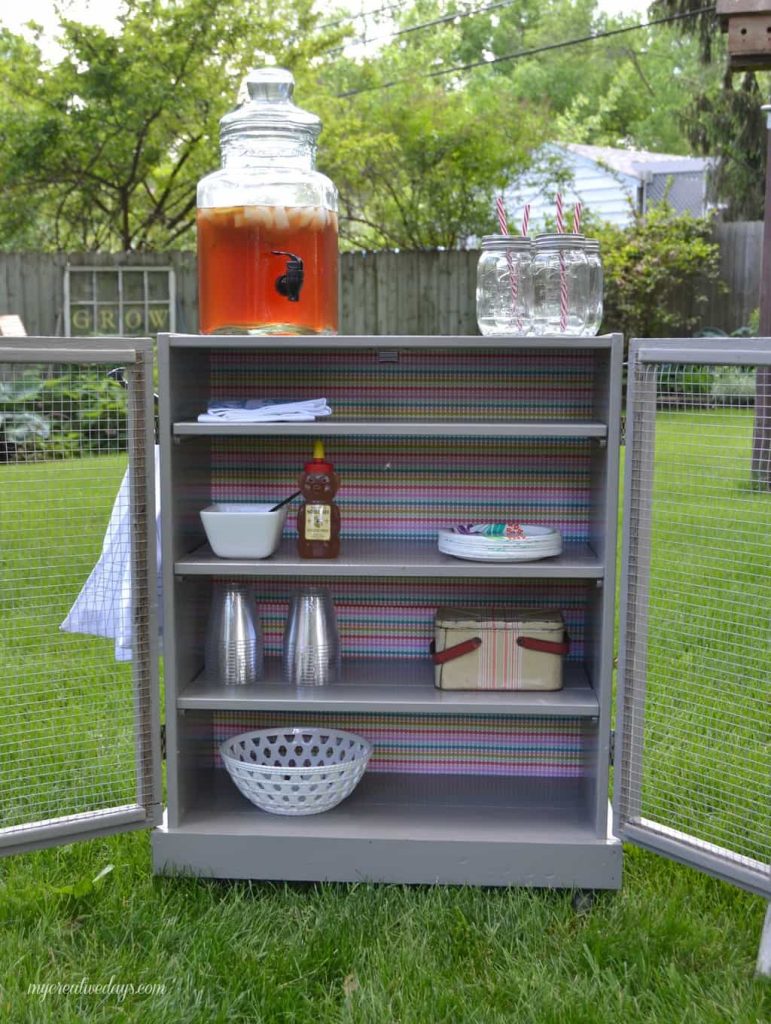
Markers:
point(456, 651)
point(530, 643)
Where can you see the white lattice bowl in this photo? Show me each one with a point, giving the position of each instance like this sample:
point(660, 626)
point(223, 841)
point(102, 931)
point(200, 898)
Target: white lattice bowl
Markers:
point(294, 770)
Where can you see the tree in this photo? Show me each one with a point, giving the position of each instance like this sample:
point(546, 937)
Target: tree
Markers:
point(417, 155)
point(655, 74)
point(418, 162)
point(725, 123)
point(103, 150)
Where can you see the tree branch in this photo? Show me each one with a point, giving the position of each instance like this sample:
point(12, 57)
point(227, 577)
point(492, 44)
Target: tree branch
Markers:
point(160, 202)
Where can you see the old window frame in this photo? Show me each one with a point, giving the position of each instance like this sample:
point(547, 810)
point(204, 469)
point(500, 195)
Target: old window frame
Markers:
point(94, 303)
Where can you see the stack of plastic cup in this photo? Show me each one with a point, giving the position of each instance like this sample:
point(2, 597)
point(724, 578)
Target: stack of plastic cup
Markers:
point(311, 640)
point(233, 650)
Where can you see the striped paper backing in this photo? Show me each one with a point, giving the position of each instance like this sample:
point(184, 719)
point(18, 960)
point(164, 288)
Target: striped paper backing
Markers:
point(394, 618)
point(423, 384)
point(493, 745)
point(409, 488)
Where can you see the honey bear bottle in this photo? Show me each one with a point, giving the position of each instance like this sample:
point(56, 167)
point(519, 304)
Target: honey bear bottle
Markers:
point(318, 520)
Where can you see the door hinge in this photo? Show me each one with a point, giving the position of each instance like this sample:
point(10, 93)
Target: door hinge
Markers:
point(163, 741)
point(612, 747)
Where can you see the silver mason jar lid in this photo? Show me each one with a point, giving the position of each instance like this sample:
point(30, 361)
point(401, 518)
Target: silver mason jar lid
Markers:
point(265, 105)
point(511, 243)
point(592, 245)
point(565, 240)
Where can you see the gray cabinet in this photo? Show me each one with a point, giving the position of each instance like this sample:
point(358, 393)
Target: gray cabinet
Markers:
point(485, 788)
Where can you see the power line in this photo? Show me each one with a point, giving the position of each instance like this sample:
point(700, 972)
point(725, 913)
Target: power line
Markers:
point(362, 14)
point(532, 51)
point(443, 20)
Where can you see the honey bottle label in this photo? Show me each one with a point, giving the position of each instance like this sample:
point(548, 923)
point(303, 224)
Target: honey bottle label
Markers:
point(318, 522)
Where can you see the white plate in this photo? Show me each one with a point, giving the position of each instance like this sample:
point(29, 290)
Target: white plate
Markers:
point(532, 533)
point(517, 556)
point(500, 547)
point(540, 542)
point(490, 542)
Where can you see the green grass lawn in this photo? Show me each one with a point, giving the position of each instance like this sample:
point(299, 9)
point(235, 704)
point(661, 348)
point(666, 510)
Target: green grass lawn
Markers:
point(672, 947)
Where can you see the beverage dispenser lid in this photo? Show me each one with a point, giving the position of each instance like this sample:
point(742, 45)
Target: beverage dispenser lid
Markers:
point(265, 104)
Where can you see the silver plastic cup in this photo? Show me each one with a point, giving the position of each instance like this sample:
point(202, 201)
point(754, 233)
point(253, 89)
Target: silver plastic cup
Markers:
point(311, 640)
point(233, 651)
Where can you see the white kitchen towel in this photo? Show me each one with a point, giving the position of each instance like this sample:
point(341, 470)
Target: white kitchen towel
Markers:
point(103, 607)
point(264, 410)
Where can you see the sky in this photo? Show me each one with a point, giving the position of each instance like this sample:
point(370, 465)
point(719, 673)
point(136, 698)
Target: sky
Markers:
point(103, 11)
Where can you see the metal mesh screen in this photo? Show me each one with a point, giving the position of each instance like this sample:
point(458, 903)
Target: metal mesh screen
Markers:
point(75, 732)
point(695, 713)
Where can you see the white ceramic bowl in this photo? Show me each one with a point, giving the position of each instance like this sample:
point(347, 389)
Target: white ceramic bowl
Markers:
point(243, 529)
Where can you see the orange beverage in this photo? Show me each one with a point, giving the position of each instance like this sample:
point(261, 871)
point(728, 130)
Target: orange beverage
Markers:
point(267, 270)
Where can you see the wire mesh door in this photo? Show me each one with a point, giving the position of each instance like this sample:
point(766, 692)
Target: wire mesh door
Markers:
point(693, 776)
point(79, 723)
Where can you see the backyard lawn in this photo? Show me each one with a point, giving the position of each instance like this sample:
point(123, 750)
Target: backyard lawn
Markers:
point(672, 947)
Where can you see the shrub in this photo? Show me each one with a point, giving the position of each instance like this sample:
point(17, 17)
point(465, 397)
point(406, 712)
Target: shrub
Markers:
point(657, 273)
point(676, 380)
point(72, 412)
point(734, 383)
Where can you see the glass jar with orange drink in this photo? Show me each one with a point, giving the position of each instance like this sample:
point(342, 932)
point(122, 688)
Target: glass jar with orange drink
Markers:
point(267, 221)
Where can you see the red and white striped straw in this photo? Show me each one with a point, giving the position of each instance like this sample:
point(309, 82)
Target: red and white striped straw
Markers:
point(563, 273)
point(525, 219)
point(577, 219)
point(560, 215)
point(503, 226)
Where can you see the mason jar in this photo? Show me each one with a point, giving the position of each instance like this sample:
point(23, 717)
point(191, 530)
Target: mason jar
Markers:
point(505, 285)
point(267, 220)
point(560, 284)
point(594, 310)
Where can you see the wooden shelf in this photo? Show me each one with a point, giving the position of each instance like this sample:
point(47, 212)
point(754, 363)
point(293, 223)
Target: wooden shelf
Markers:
point(392, 558)
point(385, 805)
point(368, 686)
point(417, 828)
point(334, 427)
point(326, 342)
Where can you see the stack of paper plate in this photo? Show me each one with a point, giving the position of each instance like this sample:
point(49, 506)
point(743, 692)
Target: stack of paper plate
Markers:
point(538, 542)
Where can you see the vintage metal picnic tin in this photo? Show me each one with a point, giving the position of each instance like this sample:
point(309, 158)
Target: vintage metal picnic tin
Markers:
point(485, 649)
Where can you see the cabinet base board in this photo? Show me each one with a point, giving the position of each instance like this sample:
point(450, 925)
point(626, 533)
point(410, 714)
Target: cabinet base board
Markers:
point(586, 865)
point(400, 828)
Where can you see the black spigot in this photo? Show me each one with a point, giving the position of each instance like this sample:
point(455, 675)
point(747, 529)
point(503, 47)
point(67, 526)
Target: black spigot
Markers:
point(290, 283)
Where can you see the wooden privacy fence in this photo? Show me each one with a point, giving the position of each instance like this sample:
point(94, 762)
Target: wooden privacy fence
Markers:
point(380, 293)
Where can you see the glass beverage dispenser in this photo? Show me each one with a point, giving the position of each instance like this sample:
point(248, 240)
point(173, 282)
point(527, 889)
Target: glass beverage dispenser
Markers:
point(267, 221)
